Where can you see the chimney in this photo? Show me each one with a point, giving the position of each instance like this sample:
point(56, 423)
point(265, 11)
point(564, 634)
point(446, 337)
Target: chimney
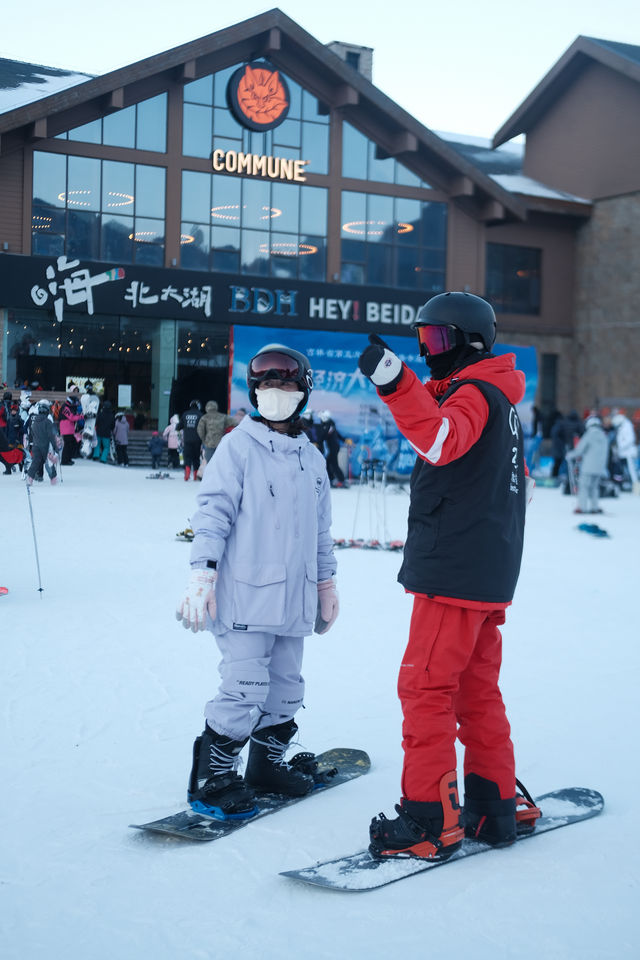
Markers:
point(360, 58)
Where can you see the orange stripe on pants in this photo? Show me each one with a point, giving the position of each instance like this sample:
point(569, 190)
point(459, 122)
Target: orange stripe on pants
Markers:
point(448, 687)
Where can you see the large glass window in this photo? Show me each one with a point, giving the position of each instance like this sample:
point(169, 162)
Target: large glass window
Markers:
point(513, 278)
point(362, 159)
point(393, 241)
point(208, 124)
point(143, 125)
point(259, 227)
point(98, 209)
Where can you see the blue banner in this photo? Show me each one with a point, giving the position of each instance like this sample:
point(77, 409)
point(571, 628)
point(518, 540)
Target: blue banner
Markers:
point(351, 399)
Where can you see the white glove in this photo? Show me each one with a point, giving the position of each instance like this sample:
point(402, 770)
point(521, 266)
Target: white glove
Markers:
point(199, 597)
point(328, 606)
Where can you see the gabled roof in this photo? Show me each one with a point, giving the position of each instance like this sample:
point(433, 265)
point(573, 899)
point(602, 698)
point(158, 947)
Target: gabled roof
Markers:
point(307, 61)
point(22, 83)
point(624, 58)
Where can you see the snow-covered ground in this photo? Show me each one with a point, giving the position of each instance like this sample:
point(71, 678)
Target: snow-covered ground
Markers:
point(102, 696)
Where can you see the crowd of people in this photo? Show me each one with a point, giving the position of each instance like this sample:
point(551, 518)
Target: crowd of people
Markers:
point(592, 456)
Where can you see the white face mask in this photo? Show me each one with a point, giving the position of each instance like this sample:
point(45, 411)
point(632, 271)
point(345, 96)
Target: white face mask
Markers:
point(277, 405)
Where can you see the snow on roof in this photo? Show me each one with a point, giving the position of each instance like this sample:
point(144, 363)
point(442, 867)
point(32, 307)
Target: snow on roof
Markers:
point(23, 83)
point(517, 183)
point(504, 166)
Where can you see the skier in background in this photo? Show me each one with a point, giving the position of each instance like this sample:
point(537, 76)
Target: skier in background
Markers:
point(262, 569)
point(191, 442)
point(329, 436)
point(593, 452)
point(461, 563)
point(44, 444)
point(626, 446)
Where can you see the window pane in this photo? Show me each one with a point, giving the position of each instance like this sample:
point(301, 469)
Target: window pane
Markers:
point(226, 125)
point(380, 222)
point(225, 238)
point(256, 204)
point(226, 208)
point(196, 196)
point(49, 178)
point(407, 219)
point(312, 264)
point(513, 278)
point(196, 132)
point(315, 147)
point(199, 91)
point(283, 251)
point(225, 261)
point(295, 107)
point(88, 132)
point(225, 143)
point(285, 202)
point(434, 224)
point(220, 80)
point(311, 108)
point(354, 152)
point(46, 244)
point(117, 187)
point(380, 169)
point(119, 128)
point(148, 231)
point(407, 267)
point(152, 124)
point(255, 252)
point(83, 235)
point(355, 250)
point(352, 273)
point(354, 215)
point(313, 210)
point(288, 133)
point(47, 221)
point(406, 177)
point(150, 191)
point(379, 263)
point(117, 239)
point(194, 246)
point(83, 190)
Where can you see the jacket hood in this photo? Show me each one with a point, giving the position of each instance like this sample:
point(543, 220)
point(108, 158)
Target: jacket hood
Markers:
point(211, 407)
point(499, 371)
point(175, 419)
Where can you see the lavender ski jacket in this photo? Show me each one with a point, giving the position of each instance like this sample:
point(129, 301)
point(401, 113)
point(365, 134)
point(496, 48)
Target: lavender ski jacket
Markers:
point(264, 514)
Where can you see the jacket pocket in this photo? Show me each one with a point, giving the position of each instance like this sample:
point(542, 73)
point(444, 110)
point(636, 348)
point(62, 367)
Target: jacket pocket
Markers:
point(310, 598)
point(259, 593)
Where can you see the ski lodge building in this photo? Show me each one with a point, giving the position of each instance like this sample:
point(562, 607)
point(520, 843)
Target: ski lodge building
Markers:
point(257, 177)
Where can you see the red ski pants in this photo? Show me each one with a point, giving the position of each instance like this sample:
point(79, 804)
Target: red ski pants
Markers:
point(448, 687)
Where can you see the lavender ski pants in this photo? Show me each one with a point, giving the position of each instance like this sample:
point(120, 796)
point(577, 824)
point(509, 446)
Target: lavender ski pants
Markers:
point(261, 682)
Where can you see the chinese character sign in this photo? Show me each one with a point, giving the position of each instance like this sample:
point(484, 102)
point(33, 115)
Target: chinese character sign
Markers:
point(338, 386)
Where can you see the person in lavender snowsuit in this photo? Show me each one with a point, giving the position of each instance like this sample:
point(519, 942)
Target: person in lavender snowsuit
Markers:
point(262, 569)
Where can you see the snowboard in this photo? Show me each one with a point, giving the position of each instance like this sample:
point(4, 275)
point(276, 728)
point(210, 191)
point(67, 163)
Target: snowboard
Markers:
point(362, 871)
point(160, 475)
point(90, 404)
point(334, 768)
point(593, 529)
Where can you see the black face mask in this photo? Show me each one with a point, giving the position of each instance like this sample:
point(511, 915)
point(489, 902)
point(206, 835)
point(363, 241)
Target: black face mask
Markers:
point(443, 364)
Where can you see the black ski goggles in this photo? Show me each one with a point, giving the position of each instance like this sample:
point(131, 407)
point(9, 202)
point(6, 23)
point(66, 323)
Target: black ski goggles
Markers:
point(433, 340)
point(277, 366)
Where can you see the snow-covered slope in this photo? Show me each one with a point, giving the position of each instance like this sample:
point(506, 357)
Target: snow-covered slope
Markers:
point(102, 695)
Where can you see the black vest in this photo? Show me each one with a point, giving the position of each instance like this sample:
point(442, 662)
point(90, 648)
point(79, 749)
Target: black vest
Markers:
point(466, 518)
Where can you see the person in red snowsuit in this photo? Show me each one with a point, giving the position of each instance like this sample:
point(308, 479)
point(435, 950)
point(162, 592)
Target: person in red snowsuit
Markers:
point(461, 563)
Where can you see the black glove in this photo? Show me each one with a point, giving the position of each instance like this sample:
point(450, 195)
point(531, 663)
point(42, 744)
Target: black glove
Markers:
point(380, 365)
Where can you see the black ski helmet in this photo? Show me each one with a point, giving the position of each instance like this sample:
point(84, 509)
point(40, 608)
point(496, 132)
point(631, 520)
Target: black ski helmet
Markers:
point(303, 375)
point(470, 314)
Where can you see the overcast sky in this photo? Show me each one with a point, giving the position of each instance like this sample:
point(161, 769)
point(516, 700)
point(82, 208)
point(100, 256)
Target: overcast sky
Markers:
point(456, 65)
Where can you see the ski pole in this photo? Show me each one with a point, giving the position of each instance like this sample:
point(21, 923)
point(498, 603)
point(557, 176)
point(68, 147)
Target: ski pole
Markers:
point(35, 542)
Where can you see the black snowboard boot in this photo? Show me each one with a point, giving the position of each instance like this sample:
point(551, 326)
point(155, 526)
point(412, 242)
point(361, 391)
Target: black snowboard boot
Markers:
point(425, 830)
point(267, 769)
point(495, 821)
point(215, 787)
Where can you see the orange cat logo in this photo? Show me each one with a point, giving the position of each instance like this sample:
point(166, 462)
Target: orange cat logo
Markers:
point(258, 96)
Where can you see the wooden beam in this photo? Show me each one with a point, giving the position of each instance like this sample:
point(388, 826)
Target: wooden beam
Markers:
point(345, 96)
point(403, 142)
point(492, 210)
point(187, 72)
point(462, 187)
point(39, 129)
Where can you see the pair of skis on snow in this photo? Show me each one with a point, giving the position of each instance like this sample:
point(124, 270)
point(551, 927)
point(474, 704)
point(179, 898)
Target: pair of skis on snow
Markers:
point(361, 871)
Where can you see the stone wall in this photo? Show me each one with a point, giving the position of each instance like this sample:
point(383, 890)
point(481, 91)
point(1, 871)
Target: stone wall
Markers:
point(607, 308)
